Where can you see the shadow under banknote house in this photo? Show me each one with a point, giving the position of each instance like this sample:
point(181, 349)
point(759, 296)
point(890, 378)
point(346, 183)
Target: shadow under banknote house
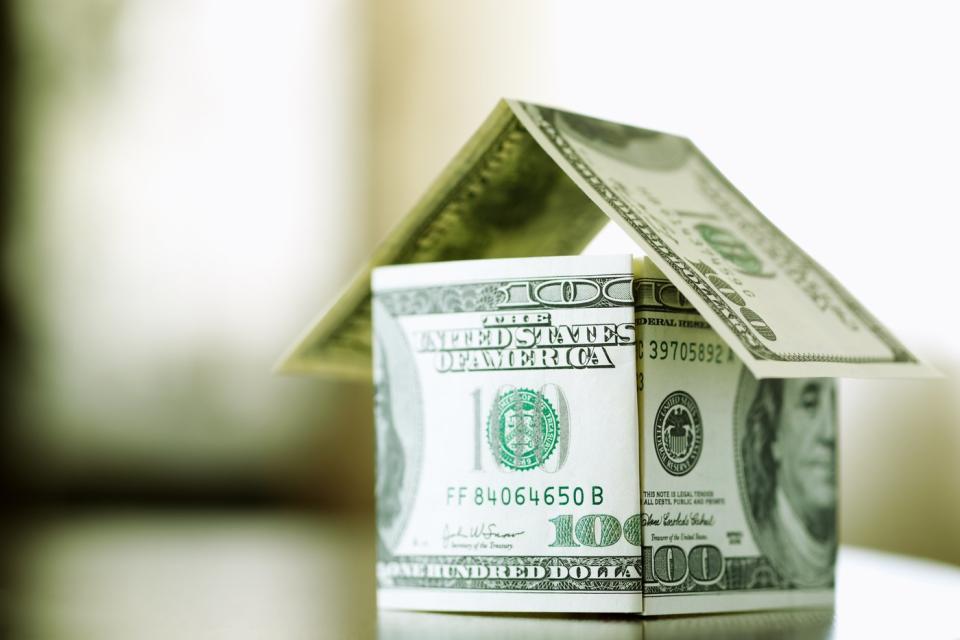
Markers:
point(565, 432)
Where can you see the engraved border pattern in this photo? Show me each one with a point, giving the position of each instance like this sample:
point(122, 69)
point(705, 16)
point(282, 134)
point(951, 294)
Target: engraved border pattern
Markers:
point(721, 308)
point(488, 297)
point(604, 585)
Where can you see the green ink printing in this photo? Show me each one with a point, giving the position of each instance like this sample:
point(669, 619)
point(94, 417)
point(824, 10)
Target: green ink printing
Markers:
point(522, 429)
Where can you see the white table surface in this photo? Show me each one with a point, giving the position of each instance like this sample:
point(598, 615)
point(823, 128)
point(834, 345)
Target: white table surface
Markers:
point(286, 575)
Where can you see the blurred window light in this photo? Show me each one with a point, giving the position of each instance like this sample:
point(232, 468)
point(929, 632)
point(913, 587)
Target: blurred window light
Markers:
point(190, 198)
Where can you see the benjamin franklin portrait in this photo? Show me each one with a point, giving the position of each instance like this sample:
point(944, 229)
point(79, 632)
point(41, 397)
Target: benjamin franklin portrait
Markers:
point(640, 148)
point(389, 448)
point(786, 441)
point(398, 418)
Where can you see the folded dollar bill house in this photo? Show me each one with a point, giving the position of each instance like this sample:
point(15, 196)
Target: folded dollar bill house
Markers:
point(595, 433)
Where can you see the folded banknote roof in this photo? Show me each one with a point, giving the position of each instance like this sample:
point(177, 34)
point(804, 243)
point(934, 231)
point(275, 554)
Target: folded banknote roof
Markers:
point(537, 181)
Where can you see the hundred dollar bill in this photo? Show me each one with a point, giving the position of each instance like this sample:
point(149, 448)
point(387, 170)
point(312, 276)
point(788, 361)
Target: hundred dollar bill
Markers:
point(506, 416)
point(739, 475)
point(536, 181)
point(557, 435)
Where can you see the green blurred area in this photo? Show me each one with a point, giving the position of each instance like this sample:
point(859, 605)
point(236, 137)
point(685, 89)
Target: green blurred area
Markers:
point(167, 237)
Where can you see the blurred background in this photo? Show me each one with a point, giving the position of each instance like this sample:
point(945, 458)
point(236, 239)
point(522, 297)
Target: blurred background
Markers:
point(185, 184)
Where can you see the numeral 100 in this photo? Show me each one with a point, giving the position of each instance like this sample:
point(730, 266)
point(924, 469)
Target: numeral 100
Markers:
point(668, 565)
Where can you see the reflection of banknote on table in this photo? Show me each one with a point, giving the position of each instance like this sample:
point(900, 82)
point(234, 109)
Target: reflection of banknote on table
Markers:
point(510, 455)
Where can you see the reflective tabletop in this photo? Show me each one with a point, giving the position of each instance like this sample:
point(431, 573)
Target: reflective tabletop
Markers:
point(288, 575)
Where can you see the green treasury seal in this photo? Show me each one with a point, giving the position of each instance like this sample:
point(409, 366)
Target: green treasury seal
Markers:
point(678, 433)
point(522, 429)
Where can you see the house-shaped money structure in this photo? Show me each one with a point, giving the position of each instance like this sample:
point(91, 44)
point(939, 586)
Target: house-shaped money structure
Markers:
point(581, 433)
